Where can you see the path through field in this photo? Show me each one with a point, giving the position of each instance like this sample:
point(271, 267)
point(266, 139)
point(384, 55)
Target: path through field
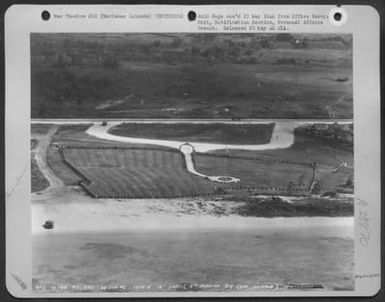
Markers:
point(282, 137)
point(106, 241)
point(187, 151)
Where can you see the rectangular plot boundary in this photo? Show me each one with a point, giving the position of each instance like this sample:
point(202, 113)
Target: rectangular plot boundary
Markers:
point(85, 181)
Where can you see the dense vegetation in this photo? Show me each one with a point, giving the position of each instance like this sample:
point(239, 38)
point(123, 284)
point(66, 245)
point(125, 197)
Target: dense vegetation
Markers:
point(275, 207)
point(191, 75)
point(340, 135)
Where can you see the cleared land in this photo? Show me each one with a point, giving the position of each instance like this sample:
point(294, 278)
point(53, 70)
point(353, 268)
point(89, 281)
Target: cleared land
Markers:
point(40, 129)
point(131, 173)
point(191, 75)
point(155, 173)
point(258, 172)
point(210, 133)
point(329, 152)
point(134, 170)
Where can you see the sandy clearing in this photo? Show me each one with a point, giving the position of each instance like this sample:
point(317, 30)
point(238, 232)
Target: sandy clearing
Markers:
point(110, 215)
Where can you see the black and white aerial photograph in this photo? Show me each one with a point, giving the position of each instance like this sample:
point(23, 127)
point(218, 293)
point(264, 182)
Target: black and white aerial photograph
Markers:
point(192, 162)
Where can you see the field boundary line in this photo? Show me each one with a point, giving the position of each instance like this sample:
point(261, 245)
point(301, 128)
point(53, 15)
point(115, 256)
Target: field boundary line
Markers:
point(155, 148)
point(85, 179)
point(309, 164)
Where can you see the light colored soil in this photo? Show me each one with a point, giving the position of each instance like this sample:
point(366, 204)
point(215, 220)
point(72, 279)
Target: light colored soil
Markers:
point(73, 212)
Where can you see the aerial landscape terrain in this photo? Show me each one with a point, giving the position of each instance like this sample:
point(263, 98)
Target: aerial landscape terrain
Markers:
point(114, 169)
point(191, 76)
point(192, 162)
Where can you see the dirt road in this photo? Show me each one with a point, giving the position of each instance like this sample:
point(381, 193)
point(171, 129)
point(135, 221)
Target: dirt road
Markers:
point(40, 153)
point(282, 137)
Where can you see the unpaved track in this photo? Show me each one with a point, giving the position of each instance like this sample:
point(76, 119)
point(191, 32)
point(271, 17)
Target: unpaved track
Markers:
point(187, 151)
point(282, 137)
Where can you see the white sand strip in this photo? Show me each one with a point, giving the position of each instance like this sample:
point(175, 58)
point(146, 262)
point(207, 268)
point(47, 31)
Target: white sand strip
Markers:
point(165, 215)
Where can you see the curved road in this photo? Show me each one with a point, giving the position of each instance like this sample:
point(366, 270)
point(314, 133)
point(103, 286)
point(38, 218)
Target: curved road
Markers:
point(282, 137)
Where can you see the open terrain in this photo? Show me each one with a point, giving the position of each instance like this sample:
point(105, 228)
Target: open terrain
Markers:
point(191, 76)
point(210, 133)
point(101, 242)
point(170, 261)
point(111, 169)
point(330, 147)
point(119, 172)
point(135, 173)
point(133, 204)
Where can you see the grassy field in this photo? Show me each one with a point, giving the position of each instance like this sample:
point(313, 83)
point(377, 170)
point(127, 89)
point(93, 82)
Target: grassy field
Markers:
point(264, 172)
point(211, 133)
point(40, 129)
point(65, 173)
point(327, 153)
point(131, 173)
point(191, 76)
point(144, 173)
point(255, 173)
point(76, 135)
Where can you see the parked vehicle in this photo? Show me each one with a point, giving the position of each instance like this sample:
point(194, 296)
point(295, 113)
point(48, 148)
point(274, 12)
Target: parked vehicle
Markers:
point(48, 225)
